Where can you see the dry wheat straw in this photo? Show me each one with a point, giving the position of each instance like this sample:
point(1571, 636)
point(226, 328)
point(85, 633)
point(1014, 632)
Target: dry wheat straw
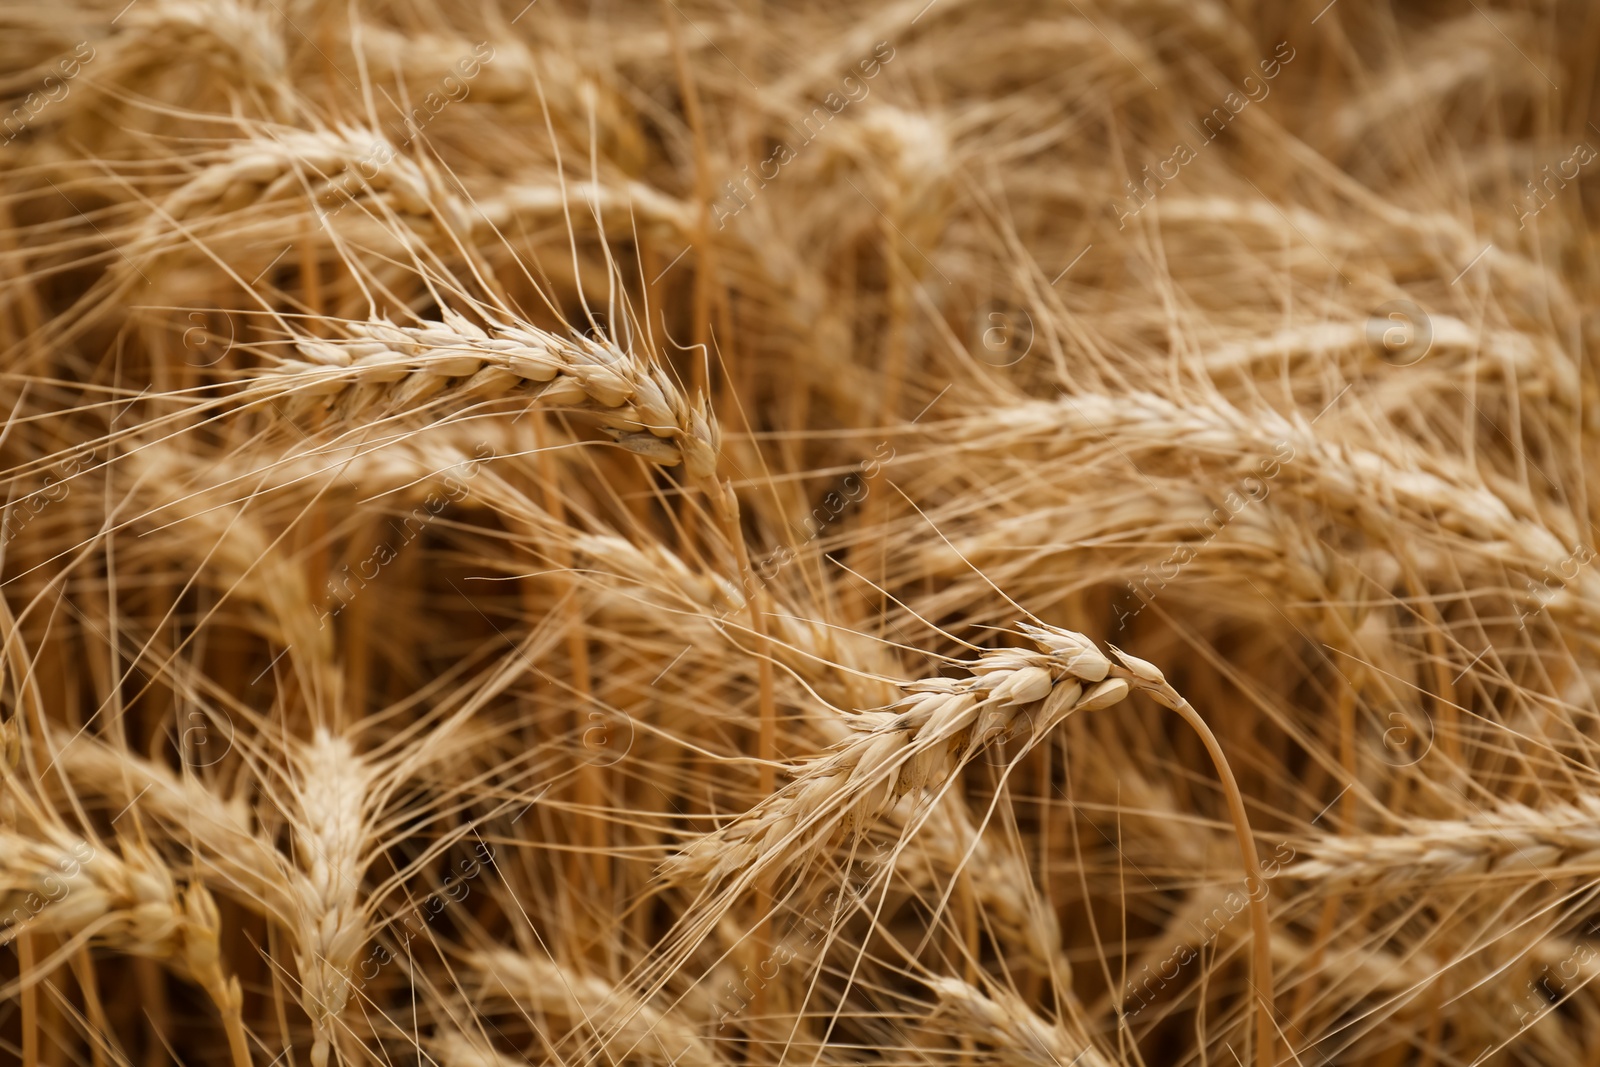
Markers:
point(1350, 481)
point(227, 199)
point(289, 163)
point(621, 204)
point(1541, 369)
point(1000, 880)
point(128, 900)
point(650, 589)
point(451, 1048)
point(238, 36)
point(238, 43)
point(515, 81)
point(940, 725)
point(1452, 515)
point(224, 155)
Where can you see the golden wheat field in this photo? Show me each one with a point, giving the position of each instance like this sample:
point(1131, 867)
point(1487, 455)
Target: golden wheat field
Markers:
point(734, 532)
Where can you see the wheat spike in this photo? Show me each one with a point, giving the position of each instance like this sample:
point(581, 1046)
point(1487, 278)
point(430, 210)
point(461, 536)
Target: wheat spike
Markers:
point(635, 401)
point(915, 744)
point(333, 828)
point(604, 1016)
point(1015, 1033)
point(1507, 841)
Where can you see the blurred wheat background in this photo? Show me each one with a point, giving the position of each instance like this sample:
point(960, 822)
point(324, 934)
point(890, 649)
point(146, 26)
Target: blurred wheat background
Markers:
point(731, 532)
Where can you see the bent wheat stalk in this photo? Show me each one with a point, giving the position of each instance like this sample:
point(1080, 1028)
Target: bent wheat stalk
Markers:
point(650, 588)
point(929, 734)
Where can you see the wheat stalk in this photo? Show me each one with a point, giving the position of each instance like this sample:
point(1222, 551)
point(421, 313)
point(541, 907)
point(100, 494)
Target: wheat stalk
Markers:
point(1001, 882)
point(632, 200)
point(288, 163)
point(924, 738)
point(1348, 479)
point(657, 591)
